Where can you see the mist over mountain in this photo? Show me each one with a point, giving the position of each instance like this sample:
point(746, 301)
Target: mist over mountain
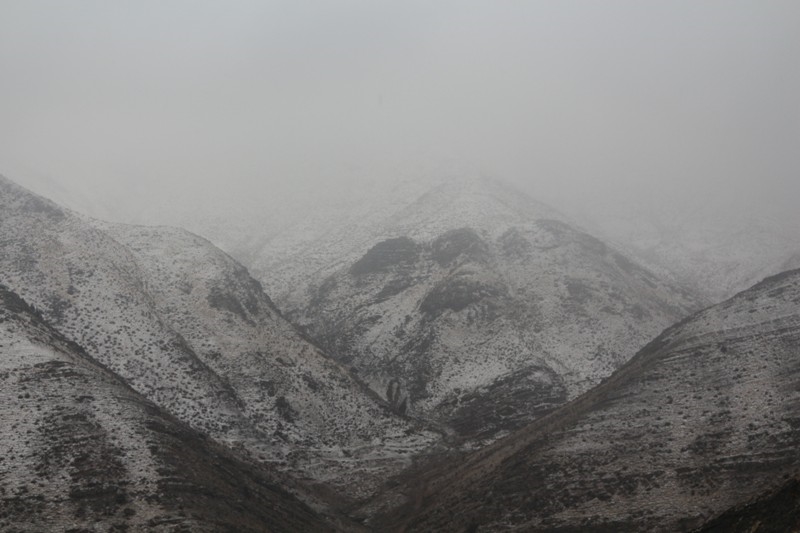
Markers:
point(362, 266)
point(469, 314)
point(716, 249)
point(673, 128)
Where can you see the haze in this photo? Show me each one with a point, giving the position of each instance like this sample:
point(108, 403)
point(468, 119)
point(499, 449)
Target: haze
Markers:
point(585, 104)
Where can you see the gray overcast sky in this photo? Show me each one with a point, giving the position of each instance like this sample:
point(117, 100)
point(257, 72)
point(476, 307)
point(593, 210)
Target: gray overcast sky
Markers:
point(581, 101)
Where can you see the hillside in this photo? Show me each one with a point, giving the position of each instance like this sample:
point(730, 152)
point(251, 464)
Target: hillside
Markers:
point(188, 328)
point(707, 416)
point(81, 451)
point(484, 327)
point(313, 415)
point(309, 236)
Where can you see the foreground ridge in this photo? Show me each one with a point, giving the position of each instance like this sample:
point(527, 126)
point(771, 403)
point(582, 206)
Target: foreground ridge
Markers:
point(703, 418)
point(81, 450)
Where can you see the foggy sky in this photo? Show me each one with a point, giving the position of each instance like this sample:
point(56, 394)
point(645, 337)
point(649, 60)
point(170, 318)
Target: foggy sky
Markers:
point(613, 102)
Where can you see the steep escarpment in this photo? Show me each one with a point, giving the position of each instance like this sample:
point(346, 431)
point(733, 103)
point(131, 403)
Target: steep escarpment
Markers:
point(707, 416)
point(484, 329)
point(80, 450)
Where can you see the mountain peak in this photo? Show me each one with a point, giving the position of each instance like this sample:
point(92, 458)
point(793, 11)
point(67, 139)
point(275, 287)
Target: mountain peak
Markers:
point(480, 202)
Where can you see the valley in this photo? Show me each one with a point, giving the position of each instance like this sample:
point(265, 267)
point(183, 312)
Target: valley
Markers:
point(467, 363)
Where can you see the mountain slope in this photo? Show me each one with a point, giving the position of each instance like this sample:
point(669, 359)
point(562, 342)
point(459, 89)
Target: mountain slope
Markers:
point(304, 404)
point(777, 511)
point(703, 418)
point(90, 287)
point(80, 450)
point(485, 327)
point(191, 330)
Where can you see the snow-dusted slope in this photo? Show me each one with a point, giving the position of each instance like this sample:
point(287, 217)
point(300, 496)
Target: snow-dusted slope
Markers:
point(191, 330)
point(90, 287)
point(705, 417)
point(487, 325)
point(81, 451)
point(302, 403)
point(318, 236)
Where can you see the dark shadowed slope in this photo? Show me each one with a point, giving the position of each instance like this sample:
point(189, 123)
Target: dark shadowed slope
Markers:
point(81, 451)
point(777, 511)
point(703, 418)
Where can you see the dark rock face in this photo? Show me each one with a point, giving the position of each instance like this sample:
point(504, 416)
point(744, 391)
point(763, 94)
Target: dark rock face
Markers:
point(703, 418)
point(777, 511)
point(456, 294)
point(483, 331)
point(227, 302)
point(81, 451)
point(385, 255)
point(458, 243)
point(507, 404)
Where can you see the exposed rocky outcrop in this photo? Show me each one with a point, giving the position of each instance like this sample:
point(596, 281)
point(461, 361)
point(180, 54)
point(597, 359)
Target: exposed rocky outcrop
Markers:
point(705, 417)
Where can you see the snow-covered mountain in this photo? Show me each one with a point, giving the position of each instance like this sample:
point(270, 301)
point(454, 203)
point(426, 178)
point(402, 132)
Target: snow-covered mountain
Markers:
point(82, 451)
point(483, 310)
point(188, 328)
point(707, 416)
point(308, 235)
